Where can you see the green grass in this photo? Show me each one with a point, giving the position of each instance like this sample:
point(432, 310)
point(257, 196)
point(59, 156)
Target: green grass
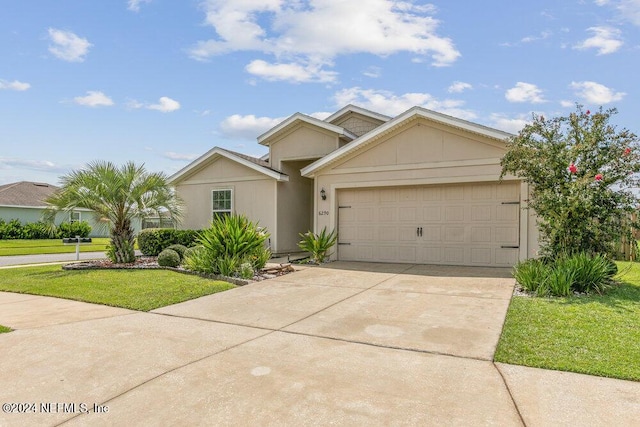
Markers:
point(142, 290)
point(4, 329)
point(596, 335)
point(49, 246)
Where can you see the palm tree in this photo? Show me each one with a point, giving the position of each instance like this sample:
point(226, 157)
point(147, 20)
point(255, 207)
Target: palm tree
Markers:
point(116, 195)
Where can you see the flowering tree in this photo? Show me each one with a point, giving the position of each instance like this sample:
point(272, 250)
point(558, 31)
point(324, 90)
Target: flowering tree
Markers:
point(583, 174)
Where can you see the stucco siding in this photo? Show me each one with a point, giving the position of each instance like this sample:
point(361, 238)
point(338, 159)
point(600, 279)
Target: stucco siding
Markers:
point(303, 142)
point(253, 198)
point(420, 143)
point(295, 204)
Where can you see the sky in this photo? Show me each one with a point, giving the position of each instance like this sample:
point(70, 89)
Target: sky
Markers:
point(161, 82)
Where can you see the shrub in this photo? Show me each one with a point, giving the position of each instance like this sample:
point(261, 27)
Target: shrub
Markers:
point(260, 257)
point(318, 244)
point(230, 241)
point(198, 259)
point(531, 274)
point(583, 176)
point(168, 258)
point(246, 270)
point(180, 249)
point(73, 229)
point(579, 272)
point(37, 230)
point(152, 241)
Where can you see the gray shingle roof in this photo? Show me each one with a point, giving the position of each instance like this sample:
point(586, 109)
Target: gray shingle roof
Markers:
point(25, 193)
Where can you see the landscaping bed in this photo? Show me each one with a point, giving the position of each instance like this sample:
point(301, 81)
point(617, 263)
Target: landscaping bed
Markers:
point(148, 262)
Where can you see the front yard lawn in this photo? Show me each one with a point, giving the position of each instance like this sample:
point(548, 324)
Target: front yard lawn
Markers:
point(142, 290)
point(4, 329)
point(49, 246)
point(596, 335)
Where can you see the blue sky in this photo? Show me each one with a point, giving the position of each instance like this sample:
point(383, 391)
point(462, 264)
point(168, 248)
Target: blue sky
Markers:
point(161, 82)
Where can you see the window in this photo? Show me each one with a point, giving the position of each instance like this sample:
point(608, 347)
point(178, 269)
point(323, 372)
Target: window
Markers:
point(222, 202)
point(74, 217)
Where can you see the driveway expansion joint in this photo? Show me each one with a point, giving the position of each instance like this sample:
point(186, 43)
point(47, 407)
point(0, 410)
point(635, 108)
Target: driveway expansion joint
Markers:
point(513, 400)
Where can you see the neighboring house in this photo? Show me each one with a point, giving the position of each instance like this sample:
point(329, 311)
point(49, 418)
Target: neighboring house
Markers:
point(25, 201)
point(421, 187)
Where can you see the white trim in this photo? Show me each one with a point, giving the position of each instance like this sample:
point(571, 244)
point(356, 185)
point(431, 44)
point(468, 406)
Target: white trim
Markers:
point(79, 216)
point(299, 117)
point(407, 116)
point(232, 197)
point(217, 151)
point(224, 180)
point(355, 109)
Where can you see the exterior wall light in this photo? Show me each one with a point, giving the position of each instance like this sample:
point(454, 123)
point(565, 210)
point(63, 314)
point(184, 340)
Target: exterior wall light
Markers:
point(323, 194)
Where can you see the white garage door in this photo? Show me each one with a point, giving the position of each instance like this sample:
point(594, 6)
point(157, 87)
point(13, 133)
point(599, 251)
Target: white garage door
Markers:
point(470, 224)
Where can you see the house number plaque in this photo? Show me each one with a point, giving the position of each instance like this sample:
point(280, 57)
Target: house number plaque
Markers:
point(323, 212)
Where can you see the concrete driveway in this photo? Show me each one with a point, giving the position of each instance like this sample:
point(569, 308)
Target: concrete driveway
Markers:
point(344, 344)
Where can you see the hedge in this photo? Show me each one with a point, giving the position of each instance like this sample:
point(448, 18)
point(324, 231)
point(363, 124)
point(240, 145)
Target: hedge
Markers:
point(14, 229)
point(152, 241)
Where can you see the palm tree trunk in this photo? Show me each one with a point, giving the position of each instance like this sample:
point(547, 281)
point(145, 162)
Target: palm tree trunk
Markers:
point(122, 242)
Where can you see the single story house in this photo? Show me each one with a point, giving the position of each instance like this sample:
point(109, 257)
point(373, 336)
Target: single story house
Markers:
point(25, 201)
point(421, 187)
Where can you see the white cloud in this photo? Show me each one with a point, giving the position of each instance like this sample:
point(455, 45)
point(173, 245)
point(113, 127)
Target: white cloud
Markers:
point(94, 99)
point(605, 39)
point(390, 104)
point(68, 46)
point(566, 104)
point(509, 124)
point(292, 72)
point(37, 165)
point(247, 127)
point(596, 93)
point(542, 36)
point(134, 5)
point(372, 72)
point(524, 92)
point(628, 10)
point(14, 85)
point(291, 32)
point(171, 155)
point(165, 105)
point(458, 87)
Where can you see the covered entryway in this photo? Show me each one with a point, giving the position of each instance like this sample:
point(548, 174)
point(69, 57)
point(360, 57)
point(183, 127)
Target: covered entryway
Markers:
point(462, 224)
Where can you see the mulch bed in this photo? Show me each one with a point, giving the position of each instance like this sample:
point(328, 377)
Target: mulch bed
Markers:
point(151, 263)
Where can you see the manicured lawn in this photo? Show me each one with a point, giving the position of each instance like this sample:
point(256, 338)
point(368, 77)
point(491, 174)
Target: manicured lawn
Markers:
point(142, 290)
point(49, 246)
point(597, 335)
point(4, 329)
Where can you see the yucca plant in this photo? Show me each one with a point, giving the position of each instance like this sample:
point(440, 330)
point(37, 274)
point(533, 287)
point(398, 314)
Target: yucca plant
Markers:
point(230, 241)
point(318, 245)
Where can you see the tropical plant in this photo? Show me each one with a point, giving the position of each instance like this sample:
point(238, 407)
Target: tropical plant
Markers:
point(117, 196)
point(230, 241)
point(583, 174)
point(318, 245)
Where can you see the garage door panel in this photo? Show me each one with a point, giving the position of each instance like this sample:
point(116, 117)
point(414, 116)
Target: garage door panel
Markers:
point(481, 256)
point(466, 224)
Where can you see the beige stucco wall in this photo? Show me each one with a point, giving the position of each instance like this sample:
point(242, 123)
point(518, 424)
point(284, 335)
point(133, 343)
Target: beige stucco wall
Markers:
point(302, 142)
point(420, 153)
point(295, 204)
point(254, 194)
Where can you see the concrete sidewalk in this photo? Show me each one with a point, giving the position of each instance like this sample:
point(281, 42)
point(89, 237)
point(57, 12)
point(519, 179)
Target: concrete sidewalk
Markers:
point(349, 344)
point(47, 258)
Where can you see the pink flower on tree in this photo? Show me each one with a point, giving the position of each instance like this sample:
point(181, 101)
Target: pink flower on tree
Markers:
point(588, 112)
point(598, 177)
point(573, 168)
point(627, 151)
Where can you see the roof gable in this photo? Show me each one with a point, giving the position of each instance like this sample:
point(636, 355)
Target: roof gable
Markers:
point(302, 118)
point(26, 194)
point(335, 117)
point(248, 161)
point(404, 118)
